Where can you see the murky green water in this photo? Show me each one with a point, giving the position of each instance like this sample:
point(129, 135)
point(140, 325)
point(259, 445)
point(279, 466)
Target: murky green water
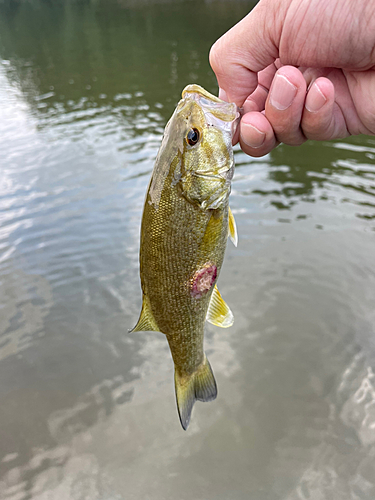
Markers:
point(87, 411)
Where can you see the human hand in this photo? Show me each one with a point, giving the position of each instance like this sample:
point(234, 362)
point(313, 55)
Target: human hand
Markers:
point(301, 69)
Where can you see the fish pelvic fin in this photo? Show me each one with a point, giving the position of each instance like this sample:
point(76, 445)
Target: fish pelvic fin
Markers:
point(200, 385)
point(146, 322)
point(232, 228)
point(219, 313)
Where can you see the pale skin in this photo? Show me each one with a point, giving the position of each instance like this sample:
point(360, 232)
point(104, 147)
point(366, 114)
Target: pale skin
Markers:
point(301, 69)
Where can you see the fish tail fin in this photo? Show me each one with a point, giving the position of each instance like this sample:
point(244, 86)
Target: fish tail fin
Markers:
point(200, 385)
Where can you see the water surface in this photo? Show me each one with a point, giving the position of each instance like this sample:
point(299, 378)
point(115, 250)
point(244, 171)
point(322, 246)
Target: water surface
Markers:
point(87, 410)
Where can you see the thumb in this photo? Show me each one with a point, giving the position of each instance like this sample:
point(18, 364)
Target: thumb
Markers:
point(247, 48)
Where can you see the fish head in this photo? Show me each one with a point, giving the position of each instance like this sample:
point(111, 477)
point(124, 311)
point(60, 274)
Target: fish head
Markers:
point(197, 146)
point(207, 125)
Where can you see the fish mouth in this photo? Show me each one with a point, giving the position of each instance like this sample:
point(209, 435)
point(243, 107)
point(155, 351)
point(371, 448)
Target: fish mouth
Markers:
point(218, 113)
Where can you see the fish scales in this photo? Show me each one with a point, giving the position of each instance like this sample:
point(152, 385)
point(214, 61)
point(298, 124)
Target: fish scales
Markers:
point(175, 255)
point(183, 238)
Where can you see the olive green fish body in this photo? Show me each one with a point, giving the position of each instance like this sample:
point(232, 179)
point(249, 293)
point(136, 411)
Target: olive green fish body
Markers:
point(183, 238)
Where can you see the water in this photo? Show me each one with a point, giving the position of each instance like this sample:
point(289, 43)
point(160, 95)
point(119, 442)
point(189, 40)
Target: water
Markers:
point(87, 410)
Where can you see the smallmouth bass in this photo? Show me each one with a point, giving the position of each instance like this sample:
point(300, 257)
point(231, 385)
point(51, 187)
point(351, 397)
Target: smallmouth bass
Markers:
point(185, 225)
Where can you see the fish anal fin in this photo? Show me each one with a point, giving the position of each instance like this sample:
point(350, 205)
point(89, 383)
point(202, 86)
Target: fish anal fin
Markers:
point(232, 228)
point(199, 386)
point(146, 322)
point(219, 313)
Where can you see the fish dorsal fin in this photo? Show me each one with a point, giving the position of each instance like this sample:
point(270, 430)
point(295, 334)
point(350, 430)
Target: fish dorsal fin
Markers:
point(146, 322)
point(232, 228)
point(218, 312)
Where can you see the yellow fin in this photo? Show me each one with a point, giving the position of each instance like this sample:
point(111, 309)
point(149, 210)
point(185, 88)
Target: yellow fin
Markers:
point(218, 312)
point(232, 228)
point(146, 322)
point(200, 386)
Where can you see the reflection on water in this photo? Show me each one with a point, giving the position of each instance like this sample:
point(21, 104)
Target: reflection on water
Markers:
point(87, 411)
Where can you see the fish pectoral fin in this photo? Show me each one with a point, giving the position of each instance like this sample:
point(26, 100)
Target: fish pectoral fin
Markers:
point(218, 312)
point(199, 386)
point(146, 322)
point(232, 228)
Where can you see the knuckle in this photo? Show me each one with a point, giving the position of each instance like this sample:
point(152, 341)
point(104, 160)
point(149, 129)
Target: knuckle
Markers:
point(292, 136)
point(221, 57)
point(320, 127)
point(315, 134)
point(215, 58)
point(294, 141)
point(367, 115)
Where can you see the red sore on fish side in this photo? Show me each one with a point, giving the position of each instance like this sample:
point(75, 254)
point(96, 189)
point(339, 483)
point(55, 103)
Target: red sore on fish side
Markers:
point(203, 280)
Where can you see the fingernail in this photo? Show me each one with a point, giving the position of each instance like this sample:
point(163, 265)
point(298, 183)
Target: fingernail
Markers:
point(282, 93)
point(223, 95)
point(254, 137)
point(315, 99)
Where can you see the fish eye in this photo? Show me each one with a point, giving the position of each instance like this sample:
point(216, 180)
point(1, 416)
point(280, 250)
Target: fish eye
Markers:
point(193, 136)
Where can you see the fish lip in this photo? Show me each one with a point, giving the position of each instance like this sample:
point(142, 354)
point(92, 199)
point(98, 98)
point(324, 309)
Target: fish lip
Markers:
point(218, 113)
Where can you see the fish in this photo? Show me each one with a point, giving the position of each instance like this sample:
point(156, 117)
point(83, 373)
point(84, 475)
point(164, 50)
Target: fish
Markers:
point(185, 225)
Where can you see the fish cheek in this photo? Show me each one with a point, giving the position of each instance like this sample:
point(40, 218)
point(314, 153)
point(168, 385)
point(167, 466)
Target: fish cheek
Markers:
point(201, 189)
point(191, 189)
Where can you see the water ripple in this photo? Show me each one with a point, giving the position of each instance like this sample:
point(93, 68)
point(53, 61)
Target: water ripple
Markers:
point(85, 92)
